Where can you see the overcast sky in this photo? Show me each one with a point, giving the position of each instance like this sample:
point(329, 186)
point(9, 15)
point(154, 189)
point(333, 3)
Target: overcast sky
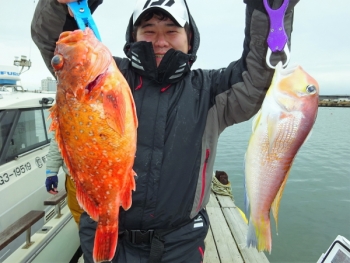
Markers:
point(320, 40)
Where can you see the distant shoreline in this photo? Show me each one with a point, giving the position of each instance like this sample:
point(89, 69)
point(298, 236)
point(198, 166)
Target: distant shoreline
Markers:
point(327, 103)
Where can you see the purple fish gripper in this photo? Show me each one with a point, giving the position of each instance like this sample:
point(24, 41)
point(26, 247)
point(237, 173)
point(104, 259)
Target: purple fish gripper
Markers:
point(277, 38)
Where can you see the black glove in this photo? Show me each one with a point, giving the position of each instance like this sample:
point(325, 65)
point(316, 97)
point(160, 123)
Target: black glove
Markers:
point(274, 4)
point(51, 184)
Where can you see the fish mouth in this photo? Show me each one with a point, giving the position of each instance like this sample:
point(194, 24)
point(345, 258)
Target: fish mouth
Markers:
point(89, 87)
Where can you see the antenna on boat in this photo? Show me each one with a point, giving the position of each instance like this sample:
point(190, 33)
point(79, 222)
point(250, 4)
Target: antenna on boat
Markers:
point(23, 62)
point(31, 41)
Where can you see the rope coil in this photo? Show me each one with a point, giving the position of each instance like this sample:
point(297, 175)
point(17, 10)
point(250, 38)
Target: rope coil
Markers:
point(221, 189)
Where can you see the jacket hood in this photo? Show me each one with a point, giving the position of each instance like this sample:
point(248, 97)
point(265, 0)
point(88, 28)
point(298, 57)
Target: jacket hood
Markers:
point(143, 59)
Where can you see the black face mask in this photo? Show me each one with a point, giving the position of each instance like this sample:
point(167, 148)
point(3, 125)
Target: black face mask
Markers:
point(173, 67)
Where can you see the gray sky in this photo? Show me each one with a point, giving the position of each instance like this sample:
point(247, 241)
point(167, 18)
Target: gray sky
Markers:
point(320, 40)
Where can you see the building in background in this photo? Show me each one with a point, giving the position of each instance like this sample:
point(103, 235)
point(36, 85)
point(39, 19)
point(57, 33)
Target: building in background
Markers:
point(48, 84)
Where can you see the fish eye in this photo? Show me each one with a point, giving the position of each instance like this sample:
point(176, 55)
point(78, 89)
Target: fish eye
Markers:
point(311, 89)
point(57, 62)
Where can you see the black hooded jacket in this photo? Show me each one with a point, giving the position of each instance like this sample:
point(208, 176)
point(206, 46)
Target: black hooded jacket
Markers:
point(181, 113)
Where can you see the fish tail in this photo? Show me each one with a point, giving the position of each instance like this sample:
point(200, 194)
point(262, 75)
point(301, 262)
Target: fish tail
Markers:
point(259, 235)
point(105, 244)
point(246, 198)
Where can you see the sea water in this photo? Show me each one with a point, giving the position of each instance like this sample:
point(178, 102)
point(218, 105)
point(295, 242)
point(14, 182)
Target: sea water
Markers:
point(315, 206)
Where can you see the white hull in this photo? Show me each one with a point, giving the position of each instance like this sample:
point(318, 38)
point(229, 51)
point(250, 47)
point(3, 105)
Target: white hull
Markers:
point(24, 144)
point(58, 244)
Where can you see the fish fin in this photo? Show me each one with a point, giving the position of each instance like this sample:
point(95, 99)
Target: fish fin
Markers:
point(251, 235)
point(106, 236)
point(136, 121)
point(256, 120)
point(126, 200)
point(272, 131)
point(53, 116)
point(133, 107)
point(53, 111)
point(242, 215)
point(53, 125)
point(85, 202)
point(61, 147)
point(114, 107)
point(93, 95)
point(105, 243)
point(61, 144)
point(276, 202)
point(259, 235)
point(246, 198)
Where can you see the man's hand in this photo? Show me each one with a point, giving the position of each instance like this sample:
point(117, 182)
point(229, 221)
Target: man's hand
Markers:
point(93, 4)
point(65, 2)
point(51, 184)
point(274, 4)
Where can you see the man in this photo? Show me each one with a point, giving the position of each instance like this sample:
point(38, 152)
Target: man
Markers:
point(181, 113)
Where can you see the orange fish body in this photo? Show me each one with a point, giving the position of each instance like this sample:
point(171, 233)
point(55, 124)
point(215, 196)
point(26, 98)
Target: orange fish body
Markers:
point(280, 128)
point(95, 125)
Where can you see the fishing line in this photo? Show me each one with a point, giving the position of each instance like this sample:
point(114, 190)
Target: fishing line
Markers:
point(30, 40)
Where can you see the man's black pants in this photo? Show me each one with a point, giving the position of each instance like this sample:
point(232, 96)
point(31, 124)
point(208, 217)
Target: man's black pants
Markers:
point(183, 245)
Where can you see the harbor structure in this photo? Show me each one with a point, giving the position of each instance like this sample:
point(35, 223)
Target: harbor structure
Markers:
point(49, 84)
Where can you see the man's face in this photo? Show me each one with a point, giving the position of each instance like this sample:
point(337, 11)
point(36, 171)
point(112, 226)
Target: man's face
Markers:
point(164, 35)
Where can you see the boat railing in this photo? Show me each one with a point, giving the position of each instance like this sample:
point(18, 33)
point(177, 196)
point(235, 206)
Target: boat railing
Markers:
point(56, 226)
point(12, 88)
point(56, 201)
point(22, 225)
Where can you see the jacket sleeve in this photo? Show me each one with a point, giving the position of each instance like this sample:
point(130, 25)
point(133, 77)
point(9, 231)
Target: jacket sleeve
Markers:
point(54, 159)
point(238, 90)
point(50, 19)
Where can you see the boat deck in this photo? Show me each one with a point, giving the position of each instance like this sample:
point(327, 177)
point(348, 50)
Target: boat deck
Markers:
point(226, 239)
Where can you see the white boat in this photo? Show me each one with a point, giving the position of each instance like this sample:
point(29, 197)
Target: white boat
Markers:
point(24, 144)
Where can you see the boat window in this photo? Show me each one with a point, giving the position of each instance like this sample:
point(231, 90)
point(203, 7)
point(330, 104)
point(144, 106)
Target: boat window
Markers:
point(6, 121)
point(23, 130)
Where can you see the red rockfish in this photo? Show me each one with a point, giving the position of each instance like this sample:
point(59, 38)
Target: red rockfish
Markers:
point(95, 125)
point(280, 128)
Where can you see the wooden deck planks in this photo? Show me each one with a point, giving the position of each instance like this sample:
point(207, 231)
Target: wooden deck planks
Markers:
point(223, 200)
point(211, 254)
point(226, 240)
point(239, 230)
